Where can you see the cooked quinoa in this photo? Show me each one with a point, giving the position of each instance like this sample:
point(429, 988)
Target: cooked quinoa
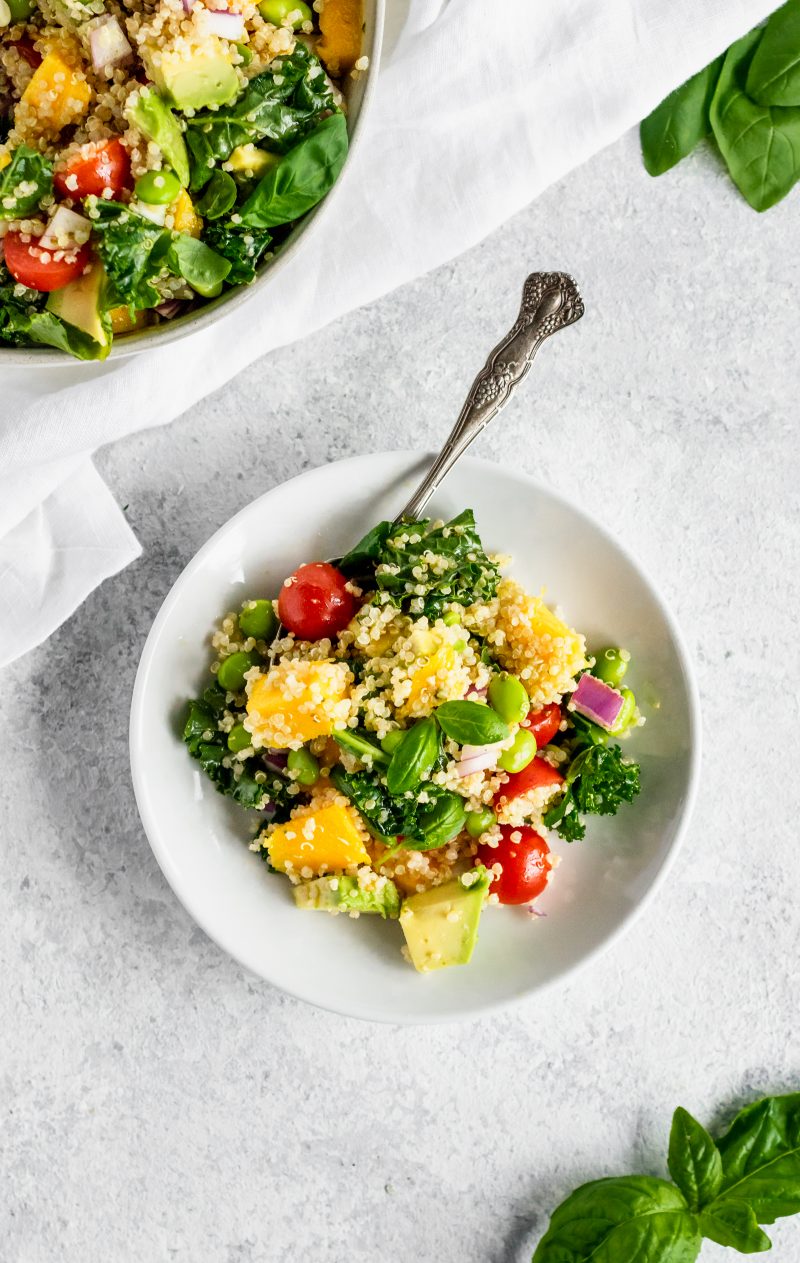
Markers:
point(413, 728)
point(146, 150)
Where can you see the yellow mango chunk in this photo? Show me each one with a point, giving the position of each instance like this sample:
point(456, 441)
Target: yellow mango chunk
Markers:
point(341, 23)
point(185, 217)
point(428, 677)
point(123, 322)
point(537, 646)
point(5, 158)
point(325, 840)
point(58, 93)
point(296, 701)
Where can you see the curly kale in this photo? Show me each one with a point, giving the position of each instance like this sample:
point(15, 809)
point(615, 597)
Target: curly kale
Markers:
point(208, 745)
point(423, 823)
point(598, 781)
point(423, 567)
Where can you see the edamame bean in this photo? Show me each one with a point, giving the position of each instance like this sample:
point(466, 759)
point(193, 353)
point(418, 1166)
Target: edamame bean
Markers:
point(304, 767)
point(391, 741)
point(520, 754)
point(611, 666)
point(450, 618)
point(239, 738)
point(157, 188)
point(627, 714)
point(20, 10)
point(279, 11)
point(507, 696)
point(479, 821)
point(258, 619)
point(232, 669)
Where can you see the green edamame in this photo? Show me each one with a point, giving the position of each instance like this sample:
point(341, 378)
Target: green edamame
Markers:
point(157, 188)
point(303, 766)
point(239, 738)
point(507, 696)
point(520, 754)
point(611, 666)
point(451, 618)
point(232, 670)
point(279, 11)
point(627, 714)
point(20, 10)
point(258, 619)
point(391, 741)
point(478, 822)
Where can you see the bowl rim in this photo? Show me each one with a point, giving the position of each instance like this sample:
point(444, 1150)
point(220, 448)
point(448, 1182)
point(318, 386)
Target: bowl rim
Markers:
point(468, 1012)
point(210, 312)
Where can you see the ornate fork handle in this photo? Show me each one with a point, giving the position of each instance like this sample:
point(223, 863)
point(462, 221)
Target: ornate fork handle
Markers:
point(550, 301)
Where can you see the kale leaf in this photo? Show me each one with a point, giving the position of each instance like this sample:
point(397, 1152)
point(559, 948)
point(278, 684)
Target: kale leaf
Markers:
point(240, 245)
point(133, 252)
point(24, 182)
point(598, 781)
point(278, 106)
point(415, 561)
point(423, 823)
point(201, 719)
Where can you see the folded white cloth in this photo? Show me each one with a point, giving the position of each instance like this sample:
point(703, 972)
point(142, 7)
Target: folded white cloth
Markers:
point(478, 109)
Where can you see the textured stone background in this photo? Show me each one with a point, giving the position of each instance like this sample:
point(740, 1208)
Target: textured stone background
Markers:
point(162, 1104)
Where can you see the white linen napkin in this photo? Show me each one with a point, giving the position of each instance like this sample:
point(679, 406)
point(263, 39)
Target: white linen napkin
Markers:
point(479, 108)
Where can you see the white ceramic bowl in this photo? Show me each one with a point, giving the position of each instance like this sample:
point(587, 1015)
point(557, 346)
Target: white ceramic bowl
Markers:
point(355, 966)
point(359, 95)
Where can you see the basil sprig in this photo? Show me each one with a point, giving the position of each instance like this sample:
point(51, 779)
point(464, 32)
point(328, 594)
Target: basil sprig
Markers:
point(415, 757)
point(471, 723)
point(722, 1190)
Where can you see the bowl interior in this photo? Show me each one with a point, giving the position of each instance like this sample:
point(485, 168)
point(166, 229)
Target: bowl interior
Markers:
point(355, 966)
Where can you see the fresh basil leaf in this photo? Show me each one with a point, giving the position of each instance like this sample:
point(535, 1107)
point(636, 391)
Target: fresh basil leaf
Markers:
point(439, 822)
point(734, 1224)
point(278, 106)
point(760, 144)
point(24, 182)
point(761, 1158)
point(774, 74)
point(197, 263)
point(240, 245)
point(694, 1160)
point(301, 179)
point(367, 552)
point(132, 250)
point(471, 723)
point(680, 122)
point(415, 757)
point(360, 746)
point(219, 196)
point(636, 1217)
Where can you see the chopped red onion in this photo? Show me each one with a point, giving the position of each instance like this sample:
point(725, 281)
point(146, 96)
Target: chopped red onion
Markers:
point(597, 701)
point(478, 758)
point(170, 309)
point(188, 5)
point(108, 44)
point(275, 760)
point(482, 693)
point(223, 22)
point(67, 230)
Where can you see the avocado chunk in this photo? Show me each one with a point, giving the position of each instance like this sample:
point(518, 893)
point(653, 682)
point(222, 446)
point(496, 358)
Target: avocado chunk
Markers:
point(251, 161)
point(345, 894)
point(155, 119)
point(207, 79)
point(78, 303)
point(441, 925)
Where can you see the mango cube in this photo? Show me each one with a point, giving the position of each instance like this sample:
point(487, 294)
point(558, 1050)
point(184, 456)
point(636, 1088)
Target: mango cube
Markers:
point(58, 93)
point(536, 645)
point(341, 24)
point(184, 216)
point(297, 701)
point(325, 840)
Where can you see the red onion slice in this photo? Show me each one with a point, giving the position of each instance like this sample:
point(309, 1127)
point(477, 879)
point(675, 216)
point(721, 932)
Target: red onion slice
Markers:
point(224, 23)
point(473, 692)
point(108, 44)
point(478, 758)
point(597, 701)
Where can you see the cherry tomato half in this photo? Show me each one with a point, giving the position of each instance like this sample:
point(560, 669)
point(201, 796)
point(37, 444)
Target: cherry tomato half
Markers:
point(525, 859)
point(26, 50)
point(315, 602)
point(544, 723)
point(39, 269)
point(104, 165)
point(537, 774)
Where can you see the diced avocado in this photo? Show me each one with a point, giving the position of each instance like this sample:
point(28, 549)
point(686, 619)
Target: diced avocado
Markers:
point(154, 117)
point(79, 304)
point(345, 894)
point(205, 79)
point(441, 925)
point(252, 161)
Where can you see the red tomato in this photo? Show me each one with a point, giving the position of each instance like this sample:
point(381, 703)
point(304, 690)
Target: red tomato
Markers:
point(26, 50)
point(96, 167)
point(525, 859)
point(544, 723)
point(315, 602)
point(29, 264)
point(538, 773)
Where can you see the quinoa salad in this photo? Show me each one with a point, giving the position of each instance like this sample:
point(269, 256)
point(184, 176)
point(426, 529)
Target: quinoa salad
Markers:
point(154, 153)
point(415, 730)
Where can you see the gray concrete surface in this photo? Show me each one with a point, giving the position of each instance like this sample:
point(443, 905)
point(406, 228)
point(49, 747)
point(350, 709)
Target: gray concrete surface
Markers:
point(162, 1104)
